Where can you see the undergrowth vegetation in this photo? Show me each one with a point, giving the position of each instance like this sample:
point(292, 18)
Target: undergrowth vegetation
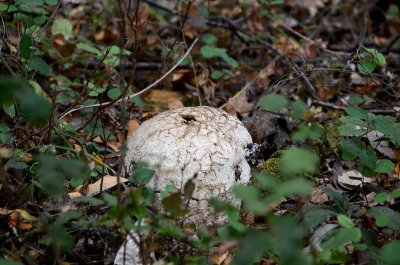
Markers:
point(316, 83)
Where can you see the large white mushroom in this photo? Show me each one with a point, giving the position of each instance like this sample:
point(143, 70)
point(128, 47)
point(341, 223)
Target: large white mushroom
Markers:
point(200, 143)
point(203, 143)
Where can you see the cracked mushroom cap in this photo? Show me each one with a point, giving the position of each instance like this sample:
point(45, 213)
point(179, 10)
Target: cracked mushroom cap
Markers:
point(201, 142)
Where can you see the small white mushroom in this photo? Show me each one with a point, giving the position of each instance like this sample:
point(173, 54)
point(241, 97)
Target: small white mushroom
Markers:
point(203, 143)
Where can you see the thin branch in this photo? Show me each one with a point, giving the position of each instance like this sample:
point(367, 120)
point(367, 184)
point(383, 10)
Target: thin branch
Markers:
point(136, 94)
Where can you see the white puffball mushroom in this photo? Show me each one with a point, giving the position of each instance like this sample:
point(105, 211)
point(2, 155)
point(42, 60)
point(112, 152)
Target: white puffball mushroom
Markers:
point(203, 143)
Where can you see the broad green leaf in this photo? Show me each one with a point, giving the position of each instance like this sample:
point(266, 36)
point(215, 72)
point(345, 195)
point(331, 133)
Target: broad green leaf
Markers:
point(297, 161)
point(217, 74)
point(9, 109)
point(356, 100)
point(88, 48)
point(299, 109)
point(390, 253)
point(351, 148)
point(306, 131)
point(251, 246)
point(209, 51)
point(10, 86)
point(35, 108)
point(62, 26)
point(345, 221)
point(251, 198)
point(385, 216)
point(392, 12)
point(114, 93)
point(273, 102)
point(209, 38)
point(396, 193)
point(356, 113)
point(316, 214)
point(25, 47)
point(142, 174)
point(384, 166)
point(381, 197)
point(38, 64)
point(338, 238)
point(229, 60)
point(366, 67)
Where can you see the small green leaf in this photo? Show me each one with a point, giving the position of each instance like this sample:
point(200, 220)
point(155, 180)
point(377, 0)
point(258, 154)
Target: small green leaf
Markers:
point(299, 109)
point(273, 102)
point(390, 253)
point(381, 197)
point(393, 12)
point(366, 67)
point(356, 100)
point(297, 161)
point(9, 109)
point(114, 93)
point(217, 74)
point(209, 38)
point(38, 64)
point(356, 113)
point(88, 48)
point(385, 216)
point(384, 166)
point(396, 193)
point(25, 47)
point(345, 221)
point(142, 174)
point(62, 26)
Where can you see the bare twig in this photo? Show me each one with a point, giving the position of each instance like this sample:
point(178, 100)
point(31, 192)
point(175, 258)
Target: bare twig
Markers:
point(136, 94)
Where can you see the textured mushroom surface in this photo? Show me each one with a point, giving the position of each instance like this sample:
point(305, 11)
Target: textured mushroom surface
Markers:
point(201, 142)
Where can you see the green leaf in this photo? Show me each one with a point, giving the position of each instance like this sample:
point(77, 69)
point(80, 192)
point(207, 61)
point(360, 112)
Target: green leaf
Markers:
point(9, 262)
point(251, 198)
point(37, 64)
point(340, 202)
point(381, 197)
point(142, 174)
point(62, 26)
point(385, 216)
point(297, 161)
point(356, 113)
point(273, 102)
point(393, 12)
point(91, 49)
point(396, 193)
point(366, 67)
point(351, 148)
point(338, 238)
point(356, 100)
point(316, 214)
point(25, 47)
point(114, 93)
point(229, 60)
point(10, 86)
point(384, 166)
point(9, 109)
point(217, 74)
point(251, 246)
point(53, 173)
point(299, 109)
point(209, 38)
point(307, 131)
point(390, 253)
point(209, 51)
point(345, 221)
point(34, 107)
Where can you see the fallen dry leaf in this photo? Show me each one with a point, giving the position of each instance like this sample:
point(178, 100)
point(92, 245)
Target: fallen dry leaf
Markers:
point(133, 125)
point(94, 188)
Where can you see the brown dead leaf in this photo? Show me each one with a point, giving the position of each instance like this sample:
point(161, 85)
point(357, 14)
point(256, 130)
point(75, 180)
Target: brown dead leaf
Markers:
point(114, 146)
point(107, 35)
point(318, 196)
point(206, 84)
point(97, 139)
point(262, 79)
point(221, 259)
point(18, 218)
point(133, 125)
point(6, 152)
point(165, 97)
point(105, 183)
point(326, 93)
point(240, 104)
